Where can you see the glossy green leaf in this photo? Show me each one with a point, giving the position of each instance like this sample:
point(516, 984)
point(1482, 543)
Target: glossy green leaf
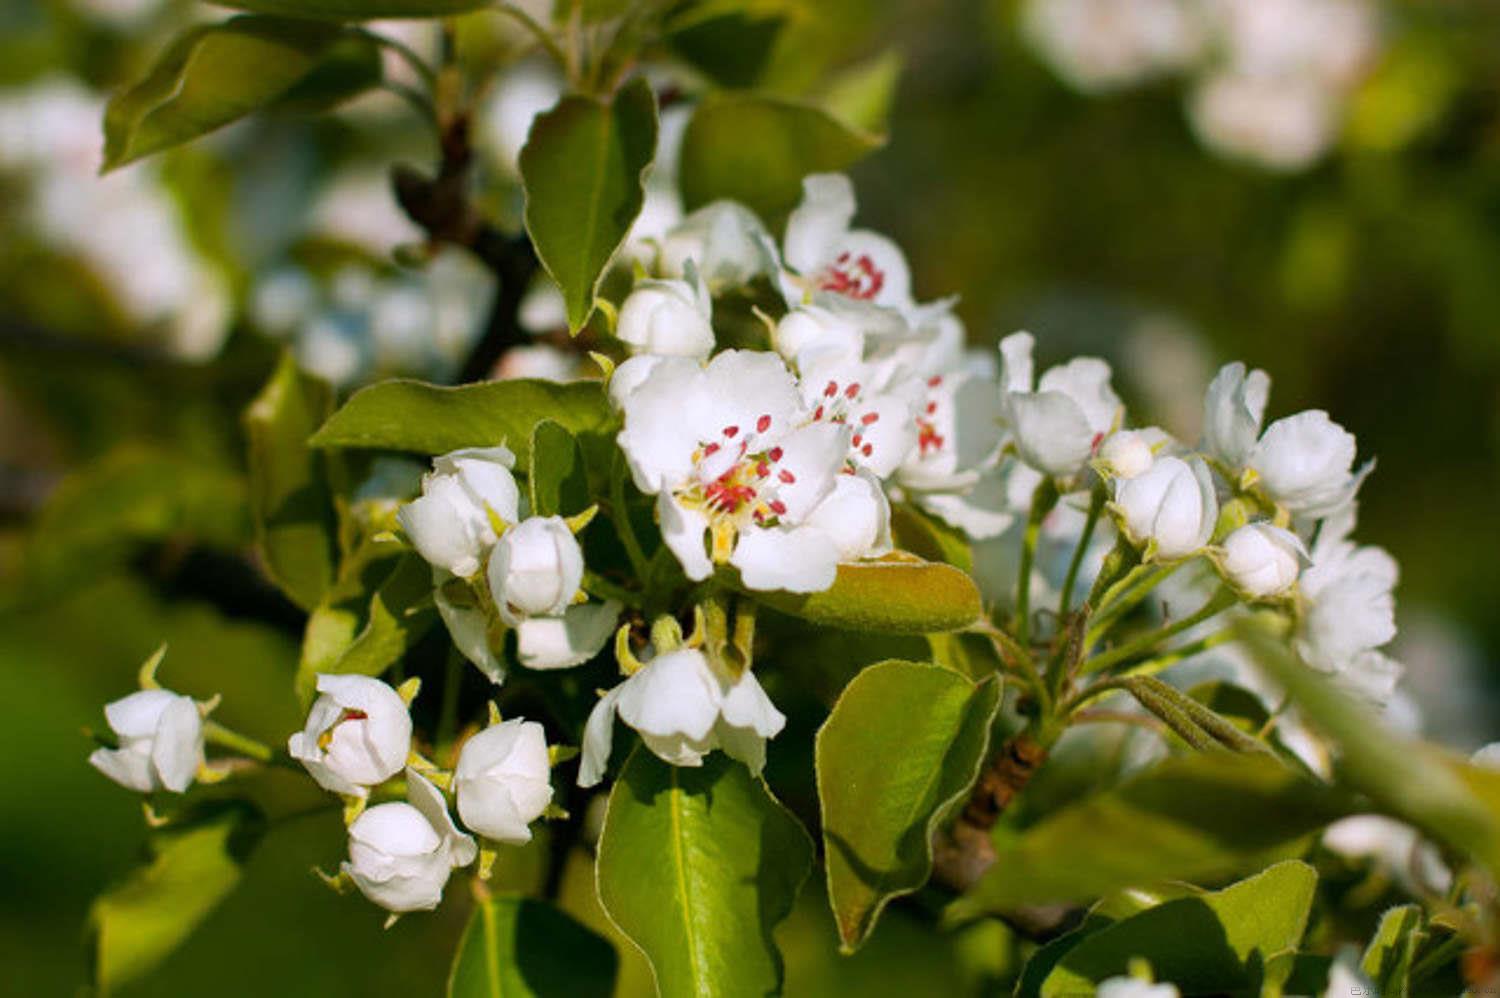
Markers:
point(888, 775)
point(1409, 779)
point(559, 482)
point(1388, 959)
point(697, 866)
point(428, 419)
point(355, 10)
point(863, 93)
point(756, 149)
point(583, 168)
point(335, 622)
point(295, 525)
point(516, 947)
point(1237, 940)
point(191, 866)
point(898, 597)
point(210, 76)
point(1192, 817)
point(401, 612)
point(350, 66)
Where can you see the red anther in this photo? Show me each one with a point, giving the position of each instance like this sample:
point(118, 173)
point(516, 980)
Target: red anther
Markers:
point(817, 413)
point(867, 450)
point(787, 476)
point(778, 507)
point(762, 469)
point(869, 417)
point(730, 431)
point(762, 424)
point(832, 389)
point(1098, 439)
point(774, 453)
point(931, 408)
point(852, 390)
point(710, 449)
point(934, 381)
point(857, 440)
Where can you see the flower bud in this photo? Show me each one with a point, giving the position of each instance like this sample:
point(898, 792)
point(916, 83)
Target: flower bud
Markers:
point(1305, 461)
point(450, 523)
point(502, 780)
point(1172, 504)
point(535, 569)
point(161, 742)
point(1262, 560)
point(358, 734)
point(725, 240)
point(400, 855)
point(1125, 454)
point(814, 331)
point(670, 318)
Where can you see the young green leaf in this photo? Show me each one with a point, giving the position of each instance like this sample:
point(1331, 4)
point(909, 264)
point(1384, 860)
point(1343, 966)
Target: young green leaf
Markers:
point(336, 621)
point(926, 537)
point(516, 947)
point(756, 149)
point(887, 776)
point(1240, 940)
point(355, 10)
point(896, 597)
point(697, 866)
point(427, 419)
point(212, 75)
point(1387, 960)
point(295, 525)
point(584, 167)
point(193, 864)
point(559, 482)
point(1209, 814)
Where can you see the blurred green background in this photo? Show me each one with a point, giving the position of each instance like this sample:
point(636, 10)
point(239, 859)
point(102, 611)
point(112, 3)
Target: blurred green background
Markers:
point(1367, 283)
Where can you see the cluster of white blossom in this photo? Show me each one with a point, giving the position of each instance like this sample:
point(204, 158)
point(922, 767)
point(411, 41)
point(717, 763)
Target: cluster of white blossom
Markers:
point(1270, 78)
point(124, 228)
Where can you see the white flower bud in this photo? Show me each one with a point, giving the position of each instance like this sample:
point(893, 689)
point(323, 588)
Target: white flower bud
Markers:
point(1262, 560)
point(358, 734)
point(400, 855)
point(809, 331)
point(1305, 461)
point(725, 240)
point(502, 780)
point(1130, 987)
point(1233, 409)
point(161, 742)
point(1125, 454)
point(535, 569)
point(1172, 504)
point(670, 318)
point(450, 523)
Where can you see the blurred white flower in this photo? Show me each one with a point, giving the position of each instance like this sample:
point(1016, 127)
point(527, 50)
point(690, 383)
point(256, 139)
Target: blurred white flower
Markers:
point(725, 241)
point(1125, 454)
point(1101, 45)
point(1056, 427)
point(1131, 987)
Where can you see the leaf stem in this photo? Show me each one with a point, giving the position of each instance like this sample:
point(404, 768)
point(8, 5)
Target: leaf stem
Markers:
point(1125, 595)
point(215, 733)
point(1096, 506)
point(537, 31)
point(1220, 601)
point(1042, 501)
point(619, 514)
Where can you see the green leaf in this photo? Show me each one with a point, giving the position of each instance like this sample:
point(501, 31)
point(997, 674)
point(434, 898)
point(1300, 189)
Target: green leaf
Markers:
point(559, 482)
point(697, 866)
point(356, 10)
point(1192, 817)
point(584, 167)
point(349, 67)
point(428, 419)
point(1196, 724)
point(895, 597)
point(1232, 941)
point(212, 75)
point(731, 49)
point(295, 525)
point(1388, 959)
point(401, 612)
point(520, 946)
point(192, 865)
point(887, 776)
point(930, 538)
point(334, 623)
point(756, 149)
point(862, 94)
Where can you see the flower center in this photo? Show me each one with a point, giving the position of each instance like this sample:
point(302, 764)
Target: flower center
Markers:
point(929, 440)
point(852, 276)
point(347, 714)
point(736, 482)
point(835, 405)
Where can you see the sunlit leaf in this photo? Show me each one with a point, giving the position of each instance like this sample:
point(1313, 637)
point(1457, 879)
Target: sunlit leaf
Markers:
point(901, 597)
point(559, 483)
point(697, 866)
point(887, 775)
point(355, 10)
point(401, 611)
point(516, 947)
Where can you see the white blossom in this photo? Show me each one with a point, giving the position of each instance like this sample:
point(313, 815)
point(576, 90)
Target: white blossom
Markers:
point(502, 781)
point(1132, 987)
point(1101, 45)
point(1347, 612)
point(726, 242)
point(1278, 123)
point(1057, 427)
point(358, 734)
point(400, 854)
point(160, 741)
point(669, 317)
point(1233, 409)
point(683, 709)
point(826, 257)
point(1305, 463)
point(1171, 507)
point(1125, 454)
point(452, 523)
point(1261, 559)
point(568, 639)
point(535, 569)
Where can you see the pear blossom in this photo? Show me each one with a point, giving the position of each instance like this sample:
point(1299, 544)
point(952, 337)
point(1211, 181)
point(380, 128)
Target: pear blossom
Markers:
point(1134, 987)
point(358, 734)
point(1305, 463)
point(567, 639)
point(1261, 559)
point(452, 524)
point(1125, 454)
point(882, 422)
point(737, 467)
point(161, 741)
point(809, 331)
point(1233, 410)
point(1487, 756)
point(1103, 45)
point(668, 317)
point(1280, 123)
point(1348, 608)
point(724, 240)
point(828, 259)
point(683, 708)
point(535, 569)
point(1056, 427)
point(400, 854)
point(502, 780)
point(856, 516)
point(1171, 507)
